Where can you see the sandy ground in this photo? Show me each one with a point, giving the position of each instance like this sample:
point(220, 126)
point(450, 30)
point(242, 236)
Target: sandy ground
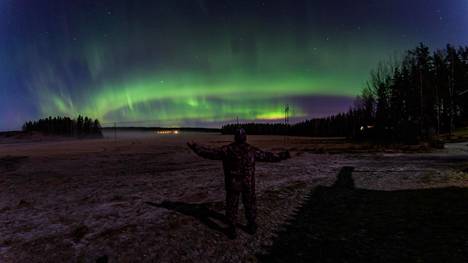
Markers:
point(152, 200)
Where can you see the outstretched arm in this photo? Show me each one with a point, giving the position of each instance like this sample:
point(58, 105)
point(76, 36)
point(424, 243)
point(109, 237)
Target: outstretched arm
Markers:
point(263, 156)
point(205, 152)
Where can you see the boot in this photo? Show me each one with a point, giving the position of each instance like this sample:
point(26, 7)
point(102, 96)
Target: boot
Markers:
point(232, 233)
point(252, 228)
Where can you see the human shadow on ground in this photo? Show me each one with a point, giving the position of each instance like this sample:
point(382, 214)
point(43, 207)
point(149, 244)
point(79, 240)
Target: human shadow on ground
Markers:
point(344, 224)
point(202, 212)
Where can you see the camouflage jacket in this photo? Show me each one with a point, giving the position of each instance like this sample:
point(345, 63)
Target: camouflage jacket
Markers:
point(238, 161)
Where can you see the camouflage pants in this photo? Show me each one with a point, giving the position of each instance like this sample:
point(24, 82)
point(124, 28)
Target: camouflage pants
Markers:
point(249, 201)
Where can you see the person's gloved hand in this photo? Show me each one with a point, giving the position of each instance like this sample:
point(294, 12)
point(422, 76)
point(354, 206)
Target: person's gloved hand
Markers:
point(284, 155)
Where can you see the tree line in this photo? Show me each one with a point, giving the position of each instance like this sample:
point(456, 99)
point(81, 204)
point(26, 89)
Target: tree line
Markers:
point(421, 95)
point(80, 127)
point(338, 125)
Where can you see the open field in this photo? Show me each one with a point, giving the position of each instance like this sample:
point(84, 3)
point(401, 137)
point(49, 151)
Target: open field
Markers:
point(151, 199)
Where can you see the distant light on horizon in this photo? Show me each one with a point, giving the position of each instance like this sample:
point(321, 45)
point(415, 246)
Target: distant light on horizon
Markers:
point(168, 132)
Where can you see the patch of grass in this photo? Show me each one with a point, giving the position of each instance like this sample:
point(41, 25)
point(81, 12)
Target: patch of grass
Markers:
point(11, 163)
point(459, 135)
point(427, 178)
point(461, 132)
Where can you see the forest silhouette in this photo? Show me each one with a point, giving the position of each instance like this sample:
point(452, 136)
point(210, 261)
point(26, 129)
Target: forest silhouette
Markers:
point(65, 126)
point(415, 98)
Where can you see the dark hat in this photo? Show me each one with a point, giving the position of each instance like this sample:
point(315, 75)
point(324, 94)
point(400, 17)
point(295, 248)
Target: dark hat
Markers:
point(240, 136)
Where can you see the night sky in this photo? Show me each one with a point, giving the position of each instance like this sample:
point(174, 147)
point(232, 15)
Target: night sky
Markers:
point(204, 62)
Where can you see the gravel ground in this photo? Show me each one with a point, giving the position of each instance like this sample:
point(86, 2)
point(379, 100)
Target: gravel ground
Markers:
point(151, 199)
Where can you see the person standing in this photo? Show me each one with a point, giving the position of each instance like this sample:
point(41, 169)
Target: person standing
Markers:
point(239, 160)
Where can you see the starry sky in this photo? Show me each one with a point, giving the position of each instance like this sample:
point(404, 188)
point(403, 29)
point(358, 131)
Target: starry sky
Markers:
point(204, 62)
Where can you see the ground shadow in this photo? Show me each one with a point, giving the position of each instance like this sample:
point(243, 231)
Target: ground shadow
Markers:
point(339, 224)
point(202, 212)
point(11, 163)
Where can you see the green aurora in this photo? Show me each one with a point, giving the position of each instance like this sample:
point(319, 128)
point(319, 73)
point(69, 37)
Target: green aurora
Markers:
point(199, 62)
point(210, 83)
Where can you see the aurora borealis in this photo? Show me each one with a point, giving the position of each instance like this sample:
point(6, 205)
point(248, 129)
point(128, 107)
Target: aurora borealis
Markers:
point(204, 62)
